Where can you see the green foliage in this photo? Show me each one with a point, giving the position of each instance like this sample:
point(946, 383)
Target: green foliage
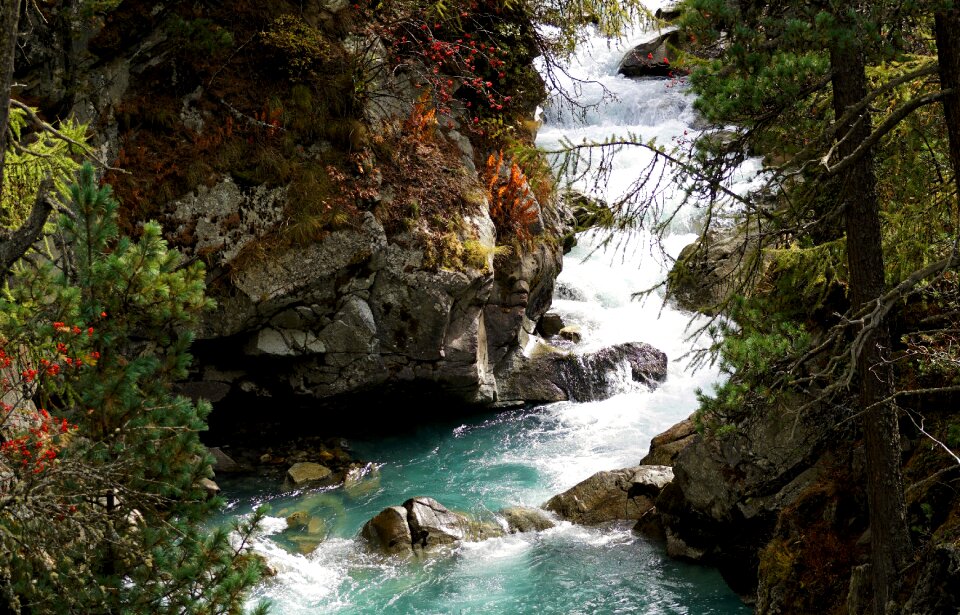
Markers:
point(803, 279)
point(306, 52)
point(27, 166)
point(201, 36)
point(112, 524)
point(752, 352)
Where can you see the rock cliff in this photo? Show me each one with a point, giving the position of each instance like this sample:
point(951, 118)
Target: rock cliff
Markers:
point(347, 220)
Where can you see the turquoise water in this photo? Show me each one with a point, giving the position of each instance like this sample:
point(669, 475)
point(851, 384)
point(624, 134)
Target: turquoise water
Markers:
point(512, 458)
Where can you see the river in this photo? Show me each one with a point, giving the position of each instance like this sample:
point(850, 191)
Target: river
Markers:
point(523, 457)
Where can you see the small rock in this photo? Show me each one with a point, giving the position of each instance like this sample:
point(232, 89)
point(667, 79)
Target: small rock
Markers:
point(223, 463)
point(210, 487)
point(304, 473)
point(572, 333)
point(550, 324)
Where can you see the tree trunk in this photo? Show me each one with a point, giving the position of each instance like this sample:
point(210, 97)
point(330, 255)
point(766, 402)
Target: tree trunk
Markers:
point(889, 538)
point(947, 31)
point(9, 19)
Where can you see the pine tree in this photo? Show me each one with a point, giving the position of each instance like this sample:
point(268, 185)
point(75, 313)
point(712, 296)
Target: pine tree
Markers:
point(110, 519)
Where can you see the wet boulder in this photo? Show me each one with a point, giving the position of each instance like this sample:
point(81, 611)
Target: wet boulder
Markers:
point(550, 375)
point(389, 532)
point(652, 58)
point(423, 525)
point(628, 493)
point(432, 525)
point(308, 473)
point(524, 519)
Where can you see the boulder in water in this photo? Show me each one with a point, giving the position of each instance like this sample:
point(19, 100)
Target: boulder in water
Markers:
point(609, 496)
point(306, 473)
point(389, 532)
point(559, 376)
point(431, 524)
point(524, 519)
point(423, 524)
point(652, 58)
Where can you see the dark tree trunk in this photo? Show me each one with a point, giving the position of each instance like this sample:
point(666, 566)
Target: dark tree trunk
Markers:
point(889, 538)
point(947, 30)
point(9, 19)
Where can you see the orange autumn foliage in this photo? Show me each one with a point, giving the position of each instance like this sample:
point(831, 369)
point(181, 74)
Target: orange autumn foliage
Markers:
point(512, 207)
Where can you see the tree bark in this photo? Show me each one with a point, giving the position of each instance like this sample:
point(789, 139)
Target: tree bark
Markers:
point(947, 32)
point(889, 537)
point(9, 20)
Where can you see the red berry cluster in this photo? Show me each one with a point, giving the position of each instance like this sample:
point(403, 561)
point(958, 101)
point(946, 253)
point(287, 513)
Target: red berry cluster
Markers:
point(38, 447)
point(452, 63)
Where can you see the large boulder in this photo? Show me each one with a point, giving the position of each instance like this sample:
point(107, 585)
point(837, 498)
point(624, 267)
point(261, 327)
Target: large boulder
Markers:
point(549, 375)
point(652, 58)
point(626, 494)
point(389, 532)
point(423, 525)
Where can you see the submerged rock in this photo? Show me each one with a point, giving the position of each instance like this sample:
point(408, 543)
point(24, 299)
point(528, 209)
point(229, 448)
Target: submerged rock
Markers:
point(609, 496)
point(306, 473)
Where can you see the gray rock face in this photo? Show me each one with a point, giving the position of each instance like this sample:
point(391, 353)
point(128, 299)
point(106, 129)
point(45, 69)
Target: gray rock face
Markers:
point(355, 312)
point(608, 496)
point(723, 504)
point(652, 58)
point(705, 274)
point(937, 590)
point(557, 376)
